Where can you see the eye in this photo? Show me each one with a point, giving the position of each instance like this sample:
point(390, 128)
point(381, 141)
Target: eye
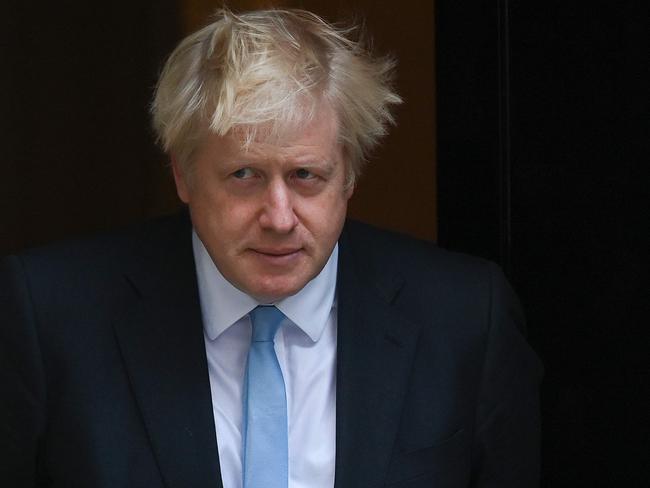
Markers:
point(304, 174)
point(243, 173)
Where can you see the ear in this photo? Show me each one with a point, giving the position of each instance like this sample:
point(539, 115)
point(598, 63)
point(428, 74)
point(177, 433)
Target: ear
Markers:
point(350, 182)
point(349, 191)
point(181, 181)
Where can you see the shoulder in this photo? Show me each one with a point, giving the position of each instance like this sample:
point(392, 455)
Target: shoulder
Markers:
point(396, 253)
point(79, 268)
point(102, 251)
point(431, 281)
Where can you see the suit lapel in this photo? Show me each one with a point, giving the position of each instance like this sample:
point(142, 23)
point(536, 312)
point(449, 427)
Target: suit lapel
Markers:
point(375, 351)
point(161, 338)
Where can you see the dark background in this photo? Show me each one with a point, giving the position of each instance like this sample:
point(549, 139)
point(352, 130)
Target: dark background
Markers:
point(76, 152)
point(542, 145)
point(543, 148)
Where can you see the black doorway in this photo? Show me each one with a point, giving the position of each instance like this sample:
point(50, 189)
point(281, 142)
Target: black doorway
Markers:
point(542, 136)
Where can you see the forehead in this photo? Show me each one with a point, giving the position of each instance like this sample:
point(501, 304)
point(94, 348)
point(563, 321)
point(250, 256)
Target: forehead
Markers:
point(315, 136)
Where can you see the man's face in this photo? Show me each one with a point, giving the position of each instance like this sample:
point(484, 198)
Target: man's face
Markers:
point(269, 215)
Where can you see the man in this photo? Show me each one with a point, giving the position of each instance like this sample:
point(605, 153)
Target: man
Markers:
point(261, 340)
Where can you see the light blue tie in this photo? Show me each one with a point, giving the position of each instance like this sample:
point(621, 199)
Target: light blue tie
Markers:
point(265, 439)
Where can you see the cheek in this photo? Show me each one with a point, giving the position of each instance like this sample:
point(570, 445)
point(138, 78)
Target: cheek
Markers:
point(324, 216)
point(220, 209)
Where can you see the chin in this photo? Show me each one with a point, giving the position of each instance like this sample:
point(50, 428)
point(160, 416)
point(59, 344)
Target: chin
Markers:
point(269, 296)
point(274, 292)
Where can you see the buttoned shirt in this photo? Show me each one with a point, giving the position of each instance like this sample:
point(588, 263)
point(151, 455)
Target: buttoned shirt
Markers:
point(306, 349)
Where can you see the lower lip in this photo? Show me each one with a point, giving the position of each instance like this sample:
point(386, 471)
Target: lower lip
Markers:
point(278, 259)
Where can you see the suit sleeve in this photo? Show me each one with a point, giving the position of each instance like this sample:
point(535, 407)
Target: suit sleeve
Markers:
point(507, 429)
point(22, 414)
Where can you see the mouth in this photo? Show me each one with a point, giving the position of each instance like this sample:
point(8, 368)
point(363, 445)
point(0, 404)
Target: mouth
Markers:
point(277, 256)
point(278, 251)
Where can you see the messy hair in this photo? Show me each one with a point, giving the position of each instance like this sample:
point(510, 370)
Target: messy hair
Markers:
point(271, 70)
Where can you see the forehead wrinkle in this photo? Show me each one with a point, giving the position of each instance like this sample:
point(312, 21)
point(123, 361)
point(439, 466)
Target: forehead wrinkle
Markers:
point(287, 152)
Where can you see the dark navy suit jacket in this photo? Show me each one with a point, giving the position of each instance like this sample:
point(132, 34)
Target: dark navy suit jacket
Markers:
point(105, 384)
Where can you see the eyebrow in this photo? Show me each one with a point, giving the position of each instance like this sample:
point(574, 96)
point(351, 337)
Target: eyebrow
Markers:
point(325, 164)
point(303, 160)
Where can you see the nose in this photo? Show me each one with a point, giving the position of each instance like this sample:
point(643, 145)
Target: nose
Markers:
point(278, 213)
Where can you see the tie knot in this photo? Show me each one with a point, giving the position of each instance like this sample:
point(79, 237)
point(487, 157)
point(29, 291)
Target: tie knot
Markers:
point(266, 321)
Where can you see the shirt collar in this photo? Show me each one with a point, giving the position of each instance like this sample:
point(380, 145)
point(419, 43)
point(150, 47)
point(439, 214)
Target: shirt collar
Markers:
point(222, 304)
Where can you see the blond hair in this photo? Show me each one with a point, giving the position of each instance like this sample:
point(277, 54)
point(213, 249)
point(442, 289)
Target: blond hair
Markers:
point(272, 69)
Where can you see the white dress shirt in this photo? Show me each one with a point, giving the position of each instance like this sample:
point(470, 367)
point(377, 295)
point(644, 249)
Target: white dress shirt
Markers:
point(306, 349)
